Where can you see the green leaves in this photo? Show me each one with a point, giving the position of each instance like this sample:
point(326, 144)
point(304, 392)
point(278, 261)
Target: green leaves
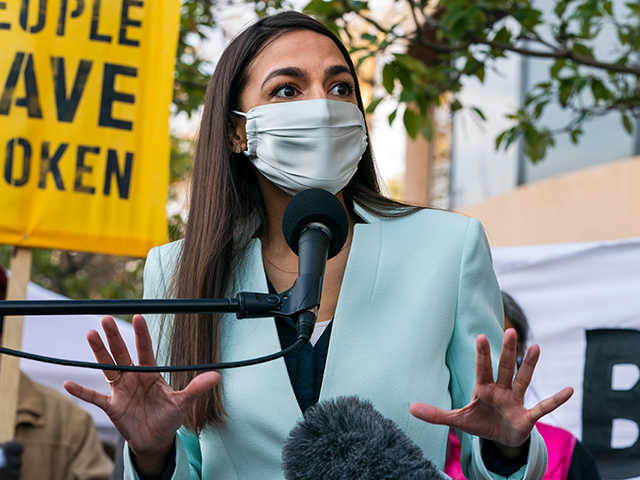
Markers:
point(388, 78)
point(369, 37)
point(392, 117)
point(560, 7)
point(474, 67)
point(529, 18)
point(507, 137)
point(191, 77)
point(574, 134)
point(536, 143)
point(374, 104)
point(411, 122)
point(321, 8)
point(583, 50)
point(535, 139)
point(626, 122)
point(556, 67)
point(397, 70)
point(417, 123)
point(600, 92)
point(479, 113)
point(415, 83)
point(634, 7)
point(565, 91)
point(503, 36)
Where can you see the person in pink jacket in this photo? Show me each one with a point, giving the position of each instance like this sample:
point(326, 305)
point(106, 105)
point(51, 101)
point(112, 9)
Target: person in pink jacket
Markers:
point(568, 459)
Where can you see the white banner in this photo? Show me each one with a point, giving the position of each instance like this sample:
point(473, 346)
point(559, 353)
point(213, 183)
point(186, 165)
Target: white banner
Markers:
point(583, 306)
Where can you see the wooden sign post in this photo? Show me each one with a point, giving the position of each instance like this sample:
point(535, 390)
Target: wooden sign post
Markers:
point(12, 338)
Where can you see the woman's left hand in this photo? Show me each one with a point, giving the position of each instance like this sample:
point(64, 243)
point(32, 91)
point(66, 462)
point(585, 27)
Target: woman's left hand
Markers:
point(496, 411)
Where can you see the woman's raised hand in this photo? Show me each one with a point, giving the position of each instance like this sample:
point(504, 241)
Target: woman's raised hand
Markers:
point(496, 411)
point(143, 407)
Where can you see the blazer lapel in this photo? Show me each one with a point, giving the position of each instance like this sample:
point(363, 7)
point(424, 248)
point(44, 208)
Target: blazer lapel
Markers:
point(250, 338)
point(351, 315)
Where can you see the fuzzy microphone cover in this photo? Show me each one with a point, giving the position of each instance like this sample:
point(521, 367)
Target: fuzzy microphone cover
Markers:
point(347, 439)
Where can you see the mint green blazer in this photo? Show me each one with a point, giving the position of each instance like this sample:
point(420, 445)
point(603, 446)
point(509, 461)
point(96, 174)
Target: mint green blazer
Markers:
point(416, 293)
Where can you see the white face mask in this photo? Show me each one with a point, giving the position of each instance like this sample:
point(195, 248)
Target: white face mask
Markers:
point(306, 144)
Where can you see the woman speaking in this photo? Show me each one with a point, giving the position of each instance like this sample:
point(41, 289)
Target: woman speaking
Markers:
point(410, 304)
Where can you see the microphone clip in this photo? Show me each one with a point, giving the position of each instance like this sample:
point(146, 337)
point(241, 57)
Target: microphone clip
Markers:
point(303, 296)
point(299, 303)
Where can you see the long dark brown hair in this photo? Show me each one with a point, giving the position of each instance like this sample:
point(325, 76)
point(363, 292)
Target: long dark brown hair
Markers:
point(225, 198)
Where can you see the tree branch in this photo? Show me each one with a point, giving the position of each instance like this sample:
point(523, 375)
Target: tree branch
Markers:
point(372, 22)
point(556, 53)
point(413, 6)
point(553, 53)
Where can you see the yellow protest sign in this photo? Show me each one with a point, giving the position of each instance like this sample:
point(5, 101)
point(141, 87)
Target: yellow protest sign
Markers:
point(85, 89)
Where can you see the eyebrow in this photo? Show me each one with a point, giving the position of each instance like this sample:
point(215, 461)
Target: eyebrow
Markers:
point(299, 73)
point(337, 69)
point(286, 71)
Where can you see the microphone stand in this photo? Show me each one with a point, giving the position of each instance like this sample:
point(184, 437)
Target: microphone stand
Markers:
point(299, 303)
point(302, 296)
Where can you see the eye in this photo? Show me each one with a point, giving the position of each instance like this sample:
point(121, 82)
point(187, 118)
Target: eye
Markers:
point(284, 91)
point(343, 89)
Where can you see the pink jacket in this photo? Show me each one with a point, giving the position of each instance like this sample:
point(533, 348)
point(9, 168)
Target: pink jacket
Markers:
point(559, 442)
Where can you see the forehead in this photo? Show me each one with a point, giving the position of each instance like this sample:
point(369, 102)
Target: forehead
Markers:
point(305, 49)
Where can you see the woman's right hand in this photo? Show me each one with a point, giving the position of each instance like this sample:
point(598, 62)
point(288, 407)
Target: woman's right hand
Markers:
point(143, 407)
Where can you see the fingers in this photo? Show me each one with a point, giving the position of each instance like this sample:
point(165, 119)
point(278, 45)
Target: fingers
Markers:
point(143, 342)
point(86, 394)
point(525, 372)
point(101, 353)
point(484, 371)
point(431, 414)
point(550, 404)
point(196, 387)
point(116, 343)
point(508, 356)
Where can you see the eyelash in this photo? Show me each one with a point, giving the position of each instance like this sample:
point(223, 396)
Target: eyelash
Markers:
point(350, 86)
point(279, 87)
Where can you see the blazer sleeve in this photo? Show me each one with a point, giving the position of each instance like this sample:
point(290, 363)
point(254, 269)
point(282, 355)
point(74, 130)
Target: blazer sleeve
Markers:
point(479, 310)
point(188, 461)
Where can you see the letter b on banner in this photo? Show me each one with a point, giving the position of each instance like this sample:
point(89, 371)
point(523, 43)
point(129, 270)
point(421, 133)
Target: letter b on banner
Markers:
point(606, 404)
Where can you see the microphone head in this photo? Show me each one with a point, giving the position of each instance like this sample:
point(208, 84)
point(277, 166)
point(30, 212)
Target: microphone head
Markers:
point(346, 438)
point(315, 205)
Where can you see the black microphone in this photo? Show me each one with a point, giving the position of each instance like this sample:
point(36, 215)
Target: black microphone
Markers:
point(347, 439)
point(315, 226)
